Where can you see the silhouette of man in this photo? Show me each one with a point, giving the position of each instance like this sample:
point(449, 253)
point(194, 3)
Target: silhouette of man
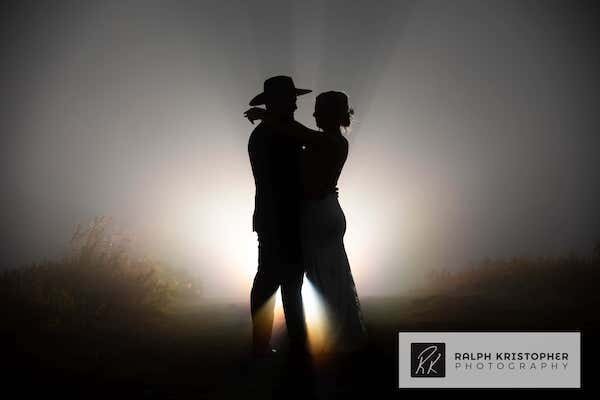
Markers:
point(275, 165)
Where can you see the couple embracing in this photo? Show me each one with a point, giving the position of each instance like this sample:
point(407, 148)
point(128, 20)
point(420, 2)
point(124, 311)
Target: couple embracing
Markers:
point(297, 216)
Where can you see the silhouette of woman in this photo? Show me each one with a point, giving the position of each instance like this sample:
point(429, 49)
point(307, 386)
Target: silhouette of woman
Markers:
point(323, 223)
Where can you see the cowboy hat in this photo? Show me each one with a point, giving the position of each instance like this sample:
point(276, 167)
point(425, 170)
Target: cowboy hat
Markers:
point(275, 87)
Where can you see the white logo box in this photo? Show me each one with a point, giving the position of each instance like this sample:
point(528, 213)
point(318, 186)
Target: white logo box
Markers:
point(492, 360)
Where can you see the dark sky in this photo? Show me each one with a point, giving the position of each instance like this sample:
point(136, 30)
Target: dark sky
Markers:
point(476, 131)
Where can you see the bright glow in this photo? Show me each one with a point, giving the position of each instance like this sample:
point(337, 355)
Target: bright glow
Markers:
point(208, 231)
point(316, 318)
point(315, 315)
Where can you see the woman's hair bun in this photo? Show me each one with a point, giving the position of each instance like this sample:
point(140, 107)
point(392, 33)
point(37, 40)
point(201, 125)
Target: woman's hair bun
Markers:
point(345, 120)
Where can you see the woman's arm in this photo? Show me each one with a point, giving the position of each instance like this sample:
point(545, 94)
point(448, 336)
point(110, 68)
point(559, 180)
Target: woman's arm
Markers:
point(297, 131)
point(291, 128)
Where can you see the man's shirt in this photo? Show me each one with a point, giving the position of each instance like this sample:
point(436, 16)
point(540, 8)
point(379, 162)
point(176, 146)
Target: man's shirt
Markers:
point(275, 165)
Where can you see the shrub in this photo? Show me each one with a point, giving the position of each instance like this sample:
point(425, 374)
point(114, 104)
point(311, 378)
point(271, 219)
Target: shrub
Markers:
point(98, 282)
point(568, 278)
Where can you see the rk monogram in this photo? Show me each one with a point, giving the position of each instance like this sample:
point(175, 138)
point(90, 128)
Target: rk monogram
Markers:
point(428, 360)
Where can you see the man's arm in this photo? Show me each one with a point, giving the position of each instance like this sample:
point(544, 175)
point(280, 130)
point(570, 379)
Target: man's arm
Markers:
point(292, 129)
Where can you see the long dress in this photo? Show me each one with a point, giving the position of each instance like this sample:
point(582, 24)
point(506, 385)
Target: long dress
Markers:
point(323, 226)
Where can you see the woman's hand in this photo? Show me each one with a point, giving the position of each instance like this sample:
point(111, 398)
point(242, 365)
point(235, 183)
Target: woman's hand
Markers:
point(255, 113)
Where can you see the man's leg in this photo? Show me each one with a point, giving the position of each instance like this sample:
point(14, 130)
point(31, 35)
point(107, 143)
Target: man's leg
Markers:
point(291, 297)
point(262, 299)
point(299, 372)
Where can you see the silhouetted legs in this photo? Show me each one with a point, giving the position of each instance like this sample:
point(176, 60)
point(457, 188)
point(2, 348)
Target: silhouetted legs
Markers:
point(293, 308)
point(262, 305)
point(275, 271)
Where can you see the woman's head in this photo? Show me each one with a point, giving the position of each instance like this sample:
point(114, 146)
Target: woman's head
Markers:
point(332, 111)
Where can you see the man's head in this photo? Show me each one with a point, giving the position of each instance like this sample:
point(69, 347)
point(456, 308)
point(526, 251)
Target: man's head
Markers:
point(279, 96)
point(283, 106)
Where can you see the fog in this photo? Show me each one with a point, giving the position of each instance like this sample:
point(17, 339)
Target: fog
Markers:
point(476, 129)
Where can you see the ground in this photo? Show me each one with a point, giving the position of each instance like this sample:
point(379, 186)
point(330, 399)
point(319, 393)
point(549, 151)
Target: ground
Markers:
point(201, 350)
